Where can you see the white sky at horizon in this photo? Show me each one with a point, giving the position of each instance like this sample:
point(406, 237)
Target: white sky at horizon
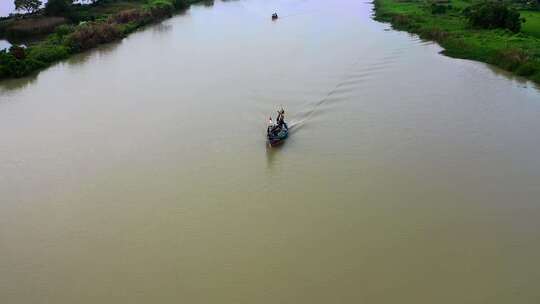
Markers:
point(6, 7)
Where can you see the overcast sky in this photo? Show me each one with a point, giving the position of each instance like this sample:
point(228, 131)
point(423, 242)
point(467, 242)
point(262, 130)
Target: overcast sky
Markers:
point(6, 7)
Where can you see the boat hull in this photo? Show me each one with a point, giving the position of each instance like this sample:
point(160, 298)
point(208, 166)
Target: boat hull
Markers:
point(278, 138)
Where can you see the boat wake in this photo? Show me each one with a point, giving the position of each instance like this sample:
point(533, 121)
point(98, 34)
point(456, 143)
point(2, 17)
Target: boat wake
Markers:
point(356, 75)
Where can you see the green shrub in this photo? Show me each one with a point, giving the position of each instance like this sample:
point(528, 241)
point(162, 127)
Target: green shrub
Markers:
point(511, 59)
point(434, 34)
point(161, 3)
point(32, 65)
point(180, 4)
point(131, 16)
point(18, 52)
point(491, 15)
point(19, 62)
point(439, 9)
point(58, 7)
point(63, 30)
point(93, 34)
point(33, 26)
point(58, 37)
point(13, 67)
point(129, 27)
point(401, 20)
point(67, 39)
point(527, 69)
point(536, 77)
point(161, 8)
point(48, 53)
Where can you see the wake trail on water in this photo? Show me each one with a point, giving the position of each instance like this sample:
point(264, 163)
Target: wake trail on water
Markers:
point(298, 14)
point(347, 83)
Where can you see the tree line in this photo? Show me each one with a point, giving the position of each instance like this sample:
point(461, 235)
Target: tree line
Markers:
point(52, 7)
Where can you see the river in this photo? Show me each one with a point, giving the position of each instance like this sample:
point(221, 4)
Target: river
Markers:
point(138, 172)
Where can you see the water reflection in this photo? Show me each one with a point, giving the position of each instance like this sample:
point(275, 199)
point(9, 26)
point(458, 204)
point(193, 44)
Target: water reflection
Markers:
point(8, 85)
point(162, 28)
point(15, 84)
point(209, 3)
point(96, 53)
point(510, 76)
point(272, 153)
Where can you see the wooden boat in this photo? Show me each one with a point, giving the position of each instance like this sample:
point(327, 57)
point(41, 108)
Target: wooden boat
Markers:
point(278, 137)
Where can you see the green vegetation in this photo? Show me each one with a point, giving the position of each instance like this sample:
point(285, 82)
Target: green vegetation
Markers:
point(57, 12)
point(32, 27)
point(58, 7)
point(30, 6)
point(532, 23)
point(103, 22)
point(491, 15)
point(485, 31)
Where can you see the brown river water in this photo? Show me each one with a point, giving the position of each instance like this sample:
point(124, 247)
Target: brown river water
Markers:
point(139, 173)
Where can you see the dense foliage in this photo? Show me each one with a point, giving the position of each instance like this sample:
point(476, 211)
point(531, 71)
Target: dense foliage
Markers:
point(91, 35)
point(70, 39)
point(32, 27)
point(27, 5)
point(490, 15)
point(440, 8)
point(58, 7)
point(482, 36)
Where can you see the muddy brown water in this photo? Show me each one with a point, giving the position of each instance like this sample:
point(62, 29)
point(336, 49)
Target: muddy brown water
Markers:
point(138, 172)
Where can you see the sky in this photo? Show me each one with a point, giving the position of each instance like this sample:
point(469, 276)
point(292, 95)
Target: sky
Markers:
point(6, 7)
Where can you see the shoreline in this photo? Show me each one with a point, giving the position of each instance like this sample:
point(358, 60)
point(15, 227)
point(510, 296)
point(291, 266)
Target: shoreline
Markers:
point(108, 24)
point(517, 53)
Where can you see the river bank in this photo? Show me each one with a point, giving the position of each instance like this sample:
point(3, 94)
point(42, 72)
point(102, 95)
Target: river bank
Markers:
point(138, 172)
point(515, 52)
point(92, 26)
point(18, 26)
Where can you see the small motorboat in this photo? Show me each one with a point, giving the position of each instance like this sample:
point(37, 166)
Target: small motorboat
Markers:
point(275, 16)
point(279, 131)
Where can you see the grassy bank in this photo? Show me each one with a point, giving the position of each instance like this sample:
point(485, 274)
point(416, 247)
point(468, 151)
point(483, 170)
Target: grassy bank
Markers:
point(31, 27)
point(532, 23)
point(101, 24)
point(518, 52)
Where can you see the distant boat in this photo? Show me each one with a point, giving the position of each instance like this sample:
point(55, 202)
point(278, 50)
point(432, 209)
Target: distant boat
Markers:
point(275, 16)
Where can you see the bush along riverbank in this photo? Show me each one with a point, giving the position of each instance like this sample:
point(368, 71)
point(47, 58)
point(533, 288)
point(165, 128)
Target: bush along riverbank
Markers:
point(68, 39)
point(486, 31)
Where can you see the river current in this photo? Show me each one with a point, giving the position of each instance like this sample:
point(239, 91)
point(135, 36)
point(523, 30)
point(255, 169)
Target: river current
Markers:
point(138, 172)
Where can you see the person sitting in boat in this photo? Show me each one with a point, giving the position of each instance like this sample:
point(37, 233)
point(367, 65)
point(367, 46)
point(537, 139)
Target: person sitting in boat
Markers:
point(273, 128)
point(271, 125)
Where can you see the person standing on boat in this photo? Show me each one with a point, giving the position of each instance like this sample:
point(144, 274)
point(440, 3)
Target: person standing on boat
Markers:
point(281, 119)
